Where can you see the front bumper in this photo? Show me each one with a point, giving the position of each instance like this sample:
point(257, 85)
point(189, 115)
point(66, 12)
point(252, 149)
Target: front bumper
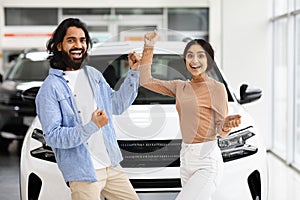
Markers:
point(244, 178)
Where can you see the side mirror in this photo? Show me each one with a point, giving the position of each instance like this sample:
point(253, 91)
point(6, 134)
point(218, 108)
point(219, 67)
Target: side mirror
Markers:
point(30, 94)
point(1, 78)
point(248, 95)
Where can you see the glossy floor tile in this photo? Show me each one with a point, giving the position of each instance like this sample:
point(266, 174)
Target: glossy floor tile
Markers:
point(284, 181)
point(9, 177)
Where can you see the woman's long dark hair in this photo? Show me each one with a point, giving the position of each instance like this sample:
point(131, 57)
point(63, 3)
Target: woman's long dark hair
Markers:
point(55, 57)
point(207, 48)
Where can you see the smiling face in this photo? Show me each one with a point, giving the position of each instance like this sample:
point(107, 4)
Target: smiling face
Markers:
point(73, 48)
point(196, 60)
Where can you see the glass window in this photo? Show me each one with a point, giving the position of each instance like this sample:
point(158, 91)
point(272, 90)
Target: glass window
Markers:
point(280, 7)
point(139, 11)
point(31, 16)
point(280, 86)
point(29, 70)
point(297, 4)
point(188, 19)
point(97, 28)
point(165, 67)
point(297, 92)
point(86, 11)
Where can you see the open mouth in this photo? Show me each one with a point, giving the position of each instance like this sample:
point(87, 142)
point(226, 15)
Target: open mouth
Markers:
point(76, 54)
point(195, 67)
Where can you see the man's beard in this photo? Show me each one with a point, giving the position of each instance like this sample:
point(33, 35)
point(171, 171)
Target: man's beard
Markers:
point(69, 62)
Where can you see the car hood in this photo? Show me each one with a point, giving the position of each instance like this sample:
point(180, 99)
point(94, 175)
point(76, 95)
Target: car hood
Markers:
point(19, 85)
point(161, 121)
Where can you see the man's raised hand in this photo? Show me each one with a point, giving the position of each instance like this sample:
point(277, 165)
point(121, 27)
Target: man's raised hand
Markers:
point(134, 60)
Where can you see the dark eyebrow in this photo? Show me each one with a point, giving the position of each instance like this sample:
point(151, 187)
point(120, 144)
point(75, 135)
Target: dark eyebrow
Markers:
point(197, 51)
point(72, 37)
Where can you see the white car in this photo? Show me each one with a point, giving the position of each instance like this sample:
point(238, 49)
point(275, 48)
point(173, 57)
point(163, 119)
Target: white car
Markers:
point(149, 136)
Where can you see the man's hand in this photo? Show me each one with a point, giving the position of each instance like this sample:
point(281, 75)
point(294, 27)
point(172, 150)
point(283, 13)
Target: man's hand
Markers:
point(134, 60)
point(151, 38)
point(231, 121)
point(100, 118)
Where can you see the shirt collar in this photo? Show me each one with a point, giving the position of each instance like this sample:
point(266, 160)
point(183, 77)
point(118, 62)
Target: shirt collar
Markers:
point(58, 72)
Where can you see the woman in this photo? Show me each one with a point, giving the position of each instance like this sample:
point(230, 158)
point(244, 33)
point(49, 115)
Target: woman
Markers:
point(202, 107)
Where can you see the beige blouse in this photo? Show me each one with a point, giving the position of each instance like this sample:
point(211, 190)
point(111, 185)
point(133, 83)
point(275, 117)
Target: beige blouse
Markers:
point(201, 105)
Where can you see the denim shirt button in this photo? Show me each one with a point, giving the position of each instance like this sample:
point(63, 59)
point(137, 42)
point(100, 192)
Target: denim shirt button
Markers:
point(130, 85)
point(67, 81)
point(79, 111)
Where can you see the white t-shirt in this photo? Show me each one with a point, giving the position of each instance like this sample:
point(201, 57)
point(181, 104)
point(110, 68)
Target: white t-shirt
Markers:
point(86, 105)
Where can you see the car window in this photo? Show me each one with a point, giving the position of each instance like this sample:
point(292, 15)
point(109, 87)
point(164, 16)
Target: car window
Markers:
point(29, 70)
point(165, 67)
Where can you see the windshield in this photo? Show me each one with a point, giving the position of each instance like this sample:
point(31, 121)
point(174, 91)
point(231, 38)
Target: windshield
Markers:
point(165, 67)
point(29, 70)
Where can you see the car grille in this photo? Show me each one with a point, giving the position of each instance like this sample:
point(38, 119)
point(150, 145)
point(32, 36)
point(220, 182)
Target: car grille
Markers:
point(156, 183)
point(150, 153)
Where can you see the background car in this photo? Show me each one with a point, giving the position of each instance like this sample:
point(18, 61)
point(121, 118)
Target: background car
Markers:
point(149, 136)
point(16, 115)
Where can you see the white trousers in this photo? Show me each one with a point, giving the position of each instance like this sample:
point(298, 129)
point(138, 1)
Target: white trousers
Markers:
point(201, 169)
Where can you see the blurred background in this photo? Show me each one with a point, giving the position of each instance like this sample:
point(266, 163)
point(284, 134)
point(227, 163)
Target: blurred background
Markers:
point(256, 42)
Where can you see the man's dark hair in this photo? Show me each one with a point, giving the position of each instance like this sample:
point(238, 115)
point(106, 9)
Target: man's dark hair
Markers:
point(207, 48)
point(55, 57)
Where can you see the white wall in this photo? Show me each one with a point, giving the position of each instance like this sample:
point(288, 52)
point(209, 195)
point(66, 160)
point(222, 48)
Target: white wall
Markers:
point(246, 51)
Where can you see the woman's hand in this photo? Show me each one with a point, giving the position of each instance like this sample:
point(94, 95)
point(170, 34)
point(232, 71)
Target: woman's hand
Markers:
point(134, 60)
point(231, 121)
point(151, 38)
point(100, 118)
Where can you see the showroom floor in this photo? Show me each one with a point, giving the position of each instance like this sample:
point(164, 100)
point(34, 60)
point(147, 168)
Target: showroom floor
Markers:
point(284, 182)
point(9, 175)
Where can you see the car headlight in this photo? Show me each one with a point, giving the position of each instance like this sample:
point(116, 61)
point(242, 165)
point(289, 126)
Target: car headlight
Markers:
point(235, 147)
point(44, 152)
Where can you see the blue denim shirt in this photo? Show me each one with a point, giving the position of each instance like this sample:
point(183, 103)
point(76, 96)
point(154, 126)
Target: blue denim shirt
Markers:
point(62, 125)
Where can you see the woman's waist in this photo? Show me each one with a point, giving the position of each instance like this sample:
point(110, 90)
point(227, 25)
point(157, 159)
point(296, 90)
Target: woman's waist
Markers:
point(200, 144)
point(199, 137)
point(200, 150)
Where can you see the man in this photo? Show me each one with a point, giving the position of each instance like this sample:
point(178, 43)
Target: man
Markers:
point(75, 107)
